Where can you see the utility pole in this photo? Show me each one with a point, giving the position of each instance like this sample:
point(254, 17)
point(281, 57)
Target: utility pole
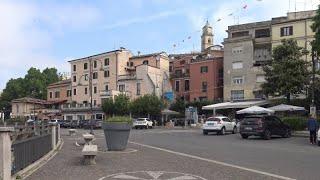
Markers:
point(90, 89)
point(313, 110)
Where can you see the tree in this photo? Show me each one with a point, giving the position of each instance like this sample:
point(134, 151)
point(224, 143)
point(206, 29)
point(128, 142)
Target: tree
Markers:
point(121, 105)
point(146, 105)
point(108, 106)
point(287, 74)
point(316, 28)
point(179, 106)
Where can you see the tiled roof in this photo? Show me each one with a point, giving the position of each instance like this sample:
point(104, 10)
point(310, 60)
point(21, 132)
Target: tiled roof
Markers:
point(67, 81)
point(148, 55)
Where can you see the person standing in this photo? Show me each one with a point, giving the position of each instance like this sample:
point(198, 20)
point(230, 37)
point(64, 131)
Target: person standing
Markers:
point(313, 128)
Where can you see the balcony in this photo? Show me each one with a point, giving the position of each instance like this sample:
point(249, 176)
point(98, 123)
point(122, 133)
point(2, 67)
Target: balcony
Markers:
point(111, 93)
point(127, 77)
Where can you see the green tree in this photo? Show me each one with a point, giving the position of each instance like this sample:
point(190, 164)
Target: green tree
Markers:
point(108, 106)
point(316, 28)
point(146, 105)
point(287, 74)
point(179, 105)
point(121, 105)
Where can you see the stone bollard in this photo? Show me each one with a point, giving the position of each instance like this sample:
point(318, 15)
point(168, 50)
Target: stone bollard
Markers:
point(5, 153)
point(88, 138)
point(59, 133)
point(53, 136)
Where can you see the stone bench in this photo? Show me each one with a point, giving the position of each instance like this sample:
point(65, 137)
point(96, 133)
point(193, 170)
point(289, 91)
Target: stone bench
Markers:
point(72, 132)
point(88, 138)
point(89, 153)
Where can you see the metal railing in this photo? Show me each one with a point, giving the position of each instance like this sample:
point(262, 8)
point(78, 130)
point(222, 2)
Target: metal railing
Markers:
point(27, 151)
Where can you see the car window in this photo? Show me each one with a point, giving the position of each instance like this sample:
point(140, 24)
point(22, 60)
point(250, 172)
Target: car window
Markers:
point(226, 119)
point(213, 119)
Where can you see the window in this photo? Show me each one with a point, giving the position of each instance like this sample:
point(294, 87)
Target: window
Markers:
point(57, 94)
point(260, 78)
point(187, 71)
point(204, 69)
point(237, 65)
point(170, 68)
point(220, 73)
point(74, 78)
point(122, 88)
point(259, 33)
point(186, 85)
point(86, 77)
point(240, 34)
point(106, 73)
point(69, 94)
point(94, 102)
point(286, 31)
point(131, 64)
point(204, 86)
point(74, 67)
point(182, 62)
point(94, 64)
point(209, 41)
point(106, 87)
point(85, 90)
point(237, 94)
point(146, 62)
point(95, 75)
point(106, 61)
point(17, 106)
point(177, 86)
point(85, 66)
point(138, 88)
point(95, 89)
point(237, 80)
point(178, 73)
point(74, 92)
point(50, 95)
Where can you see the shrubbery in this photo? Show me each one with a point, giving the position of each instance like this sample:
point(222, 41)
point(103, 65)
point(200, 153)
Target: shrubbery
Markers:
point(120, 119)
point(296, 123)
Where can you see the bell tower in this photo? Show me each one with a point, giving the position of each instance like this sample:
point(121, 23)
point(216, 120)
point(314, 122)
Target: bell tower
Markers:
point(206, 37)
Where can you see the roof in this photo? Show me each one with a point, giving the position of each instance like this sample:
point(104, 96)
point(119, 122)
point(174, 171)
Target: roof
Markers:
point(234, 105)
point(286, 107)
point(162, 53)
point(104, 53)
point(67, 81)
point(255, 110)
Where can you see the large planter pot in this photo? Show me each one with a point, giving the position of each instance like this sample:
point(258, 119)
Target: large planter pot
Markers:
point(117, 135)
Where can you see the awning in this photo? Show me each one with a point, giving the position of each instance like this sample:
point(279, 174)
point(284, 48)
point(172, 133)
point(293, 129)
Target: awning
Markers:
point(286, 107)
point(234, 105)
point(255, 110)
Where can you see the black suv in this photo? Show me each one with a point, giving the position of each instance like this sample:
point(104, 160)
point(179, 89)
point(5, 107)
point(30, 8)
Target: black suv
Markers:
point(264, 126)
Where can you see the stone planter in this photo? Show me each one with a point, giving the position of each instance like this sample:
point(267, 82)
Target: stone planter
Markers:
point(117, 135)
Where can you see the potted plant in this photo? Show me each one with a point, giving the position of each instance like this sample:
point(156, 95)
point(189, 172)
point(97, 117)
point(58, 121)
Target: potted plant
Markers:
point(117, 130)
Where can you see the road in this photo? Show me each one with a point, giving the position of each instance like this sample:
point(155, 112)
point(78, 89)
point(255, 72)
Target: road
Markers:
point(293, 157)
point(187, 154)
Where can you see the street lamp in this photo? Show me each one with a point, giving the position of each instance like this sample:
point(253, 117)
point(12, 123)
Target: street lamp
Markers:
point(313, 110)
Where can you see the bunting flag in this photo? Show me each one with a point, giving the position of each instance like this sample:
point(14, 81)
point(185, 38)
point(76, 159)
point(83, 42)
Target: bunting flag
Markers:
point(245, 6)
point(230, 14)
point(219, 19)
point(189, 37)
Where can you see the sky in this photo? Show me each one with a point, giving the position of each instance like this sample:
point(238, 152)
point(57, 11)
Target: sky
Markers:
point(48, 33)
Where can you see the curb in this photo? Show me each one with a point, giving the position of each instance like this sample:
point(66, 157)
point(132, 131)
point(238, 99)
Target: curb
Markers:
point(24, 173)
point(300, 134)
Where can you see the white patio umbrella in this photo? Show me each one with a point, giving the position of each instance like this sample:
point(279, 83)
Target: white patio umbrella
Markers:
point(286, 107)
point(255, 110)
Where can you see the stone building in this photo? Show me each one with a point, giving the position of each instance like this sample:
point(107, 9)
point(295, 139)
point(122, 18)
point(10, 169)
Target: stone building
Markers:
point(59, 91)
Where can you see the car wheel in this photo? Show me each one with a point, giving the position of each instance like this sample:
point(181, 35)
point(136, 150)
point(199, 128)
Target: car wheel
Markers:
point(244, 136)
point(136, 127)
point(205, 132)
point(151, 127)
point(287, 134)
point(234, 130)
point(223, 131)
point(267, 135)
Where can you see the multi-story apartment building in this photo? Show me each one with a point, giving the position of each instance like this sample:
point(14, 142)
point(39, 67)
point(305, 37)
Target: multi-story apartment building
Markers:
point(108, 74)
point(198, 75)
point(249, 46)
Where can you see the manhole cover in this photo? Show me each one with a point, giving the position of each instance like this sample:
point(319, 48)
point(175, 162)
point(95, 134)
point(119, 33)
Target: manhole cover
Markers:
point(150, 175)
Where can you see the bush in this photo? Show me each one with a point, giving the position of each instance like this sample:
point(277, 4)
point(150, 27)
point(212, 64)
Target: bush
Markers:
point(296, 123)
point(120, 119)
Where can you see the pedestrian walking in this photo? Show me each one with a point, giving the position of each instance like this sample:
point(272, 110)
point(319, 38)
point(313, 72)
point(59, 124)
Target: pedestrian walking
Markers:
point(313, 127)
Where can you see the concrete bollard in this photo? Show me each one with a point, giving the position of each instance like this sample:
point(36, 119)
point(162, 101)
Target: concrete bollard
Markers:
point(59, 133)
point(5, 153)
point(53, 136)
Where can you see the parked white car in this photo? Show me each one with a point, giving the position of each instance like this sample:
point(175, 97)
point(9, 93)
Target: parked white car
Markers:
point(219, 124)
point(142, 123)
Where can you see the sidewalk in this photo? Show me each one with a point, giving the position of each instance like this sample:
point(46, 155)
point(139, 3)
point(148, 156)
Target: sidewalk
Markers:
point(138, 162)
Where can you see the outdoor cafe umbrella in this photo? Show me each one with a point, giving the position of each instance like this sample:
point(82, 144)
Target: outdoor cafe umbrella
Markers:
point(167, 112)
point(286, 107)
point(255, 110)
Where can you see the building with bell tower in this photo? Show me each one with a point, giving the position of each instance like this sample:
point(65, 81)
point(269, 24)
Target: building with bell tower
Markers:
point(206, 37)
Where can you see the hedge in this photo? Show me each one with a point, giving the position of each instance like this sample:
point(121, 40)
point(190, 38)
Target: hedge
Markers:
point(296, 123)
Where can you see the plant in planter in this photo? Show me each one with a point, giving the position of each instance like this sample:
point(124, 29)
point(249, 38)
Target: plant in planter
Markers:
point(117, 131)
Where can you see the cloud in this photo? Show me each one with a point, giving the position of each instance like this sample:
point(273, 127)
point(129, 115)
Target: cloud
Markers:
point(28, 31)
point(137, 20)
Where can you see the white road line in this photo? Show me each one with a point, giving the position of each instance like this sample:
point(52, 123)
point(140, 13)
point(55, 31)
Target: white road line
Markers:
point(214, 161)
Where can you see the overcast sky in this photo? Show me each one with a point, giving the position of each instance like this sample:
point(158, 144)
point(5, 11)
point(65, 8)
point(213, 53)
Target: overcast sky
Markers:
point(48, 33)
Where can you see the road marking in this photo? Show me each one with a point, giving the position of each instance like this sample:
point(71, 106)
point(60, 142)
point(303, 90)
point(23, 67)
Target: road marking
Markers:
point(214, 161)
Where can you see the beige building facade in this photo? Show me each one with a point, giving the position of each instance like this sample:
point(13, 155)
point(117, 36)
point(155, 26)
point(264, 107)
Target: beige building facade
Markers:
point(249, 47)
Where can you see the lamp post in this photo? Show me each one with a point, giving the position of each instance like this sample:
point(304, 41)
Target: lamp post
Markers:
point(314, 55)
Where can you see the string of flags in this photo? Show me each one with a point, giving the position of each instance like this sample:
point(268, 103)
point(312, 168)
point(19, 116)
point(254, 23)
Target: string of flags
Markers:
point(189, 37)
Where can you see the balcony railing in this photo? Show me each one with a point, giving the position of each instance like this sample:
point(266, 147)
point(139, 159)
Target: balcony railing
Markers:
point(127, 77)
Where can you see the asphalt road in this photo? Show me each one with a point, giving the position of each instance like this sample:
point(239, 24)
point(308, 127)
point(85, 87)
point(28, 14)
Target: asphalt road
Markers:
point(293, 157)
point(186, 154)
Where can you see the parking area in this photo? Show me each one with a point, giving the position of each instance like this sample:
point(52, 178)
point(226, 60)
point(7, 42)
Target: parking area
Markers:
point(187, 154)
